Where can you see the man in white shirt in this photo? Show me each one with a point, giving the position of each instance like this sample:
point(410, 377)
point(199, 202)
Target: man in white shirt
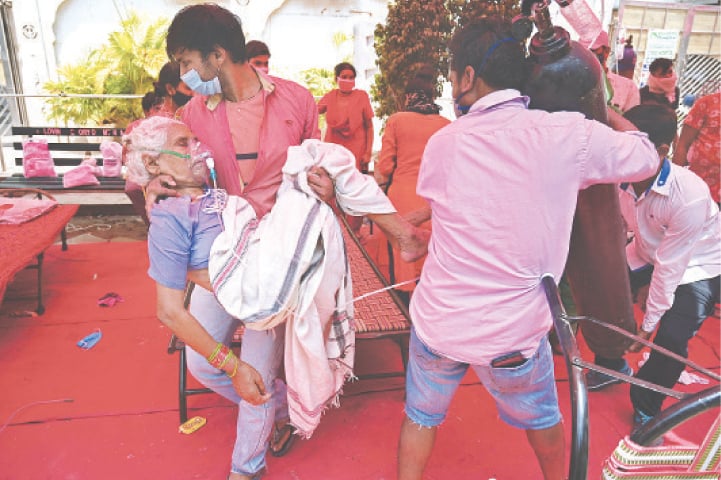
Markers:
point(625, 94)
point(677, 246)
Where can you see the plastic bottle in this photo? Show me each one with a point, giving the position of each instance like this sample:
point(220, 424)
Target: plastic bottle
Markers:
point(583, 20)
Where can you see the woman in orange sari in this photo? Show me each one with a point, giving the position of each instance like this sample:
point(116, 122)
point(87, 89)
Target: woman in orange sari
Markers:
point(349, 116)
point(404, 140)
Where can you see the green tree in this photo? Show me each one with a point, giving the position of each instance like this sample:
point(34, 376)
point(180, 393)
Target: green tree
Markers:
point(417, 32)
point(318, 80)
point(464, 11)
point(414, 34)
point(127, 63)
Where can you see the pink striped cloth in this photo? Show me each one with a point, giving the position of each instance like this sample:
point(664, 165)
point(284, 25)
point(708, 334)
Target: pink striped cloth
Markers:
point(291, 267)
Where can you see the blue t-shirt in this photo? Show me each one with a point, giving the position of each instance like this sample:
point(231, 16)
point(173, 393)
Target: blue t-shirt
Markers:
point(179, 239)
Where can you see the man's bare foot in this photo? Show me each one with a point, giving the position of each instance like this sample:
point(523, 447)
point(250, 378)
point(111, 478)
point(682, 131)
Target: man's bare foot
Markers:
point(414, 245)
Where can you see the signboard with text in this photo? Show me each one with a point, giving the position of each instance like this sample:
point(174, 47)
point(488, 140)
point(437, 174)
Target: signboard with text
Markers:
point(660, 44)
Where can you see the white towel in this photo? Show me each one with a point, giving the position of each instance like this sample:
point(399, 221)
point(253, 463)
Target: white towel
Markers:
point(291, 266)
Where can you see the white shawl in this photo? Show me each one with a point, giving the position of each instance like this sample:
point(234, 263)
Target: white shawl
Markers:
point(291, 266)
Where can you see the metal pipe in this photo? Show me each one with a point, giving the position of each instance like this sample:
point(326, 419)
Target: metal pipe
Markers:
point(578, 466)
point(71, 95)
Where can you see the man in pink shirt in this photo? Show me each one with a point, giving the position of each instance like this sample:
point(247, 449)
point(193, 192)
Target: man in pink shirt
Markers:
point(249, 120)
point(624, 94)
point(502, 183)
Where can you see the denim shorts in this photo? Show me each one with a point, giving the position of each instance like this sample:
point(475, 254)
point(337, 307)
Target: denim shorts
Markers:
point(525, 396)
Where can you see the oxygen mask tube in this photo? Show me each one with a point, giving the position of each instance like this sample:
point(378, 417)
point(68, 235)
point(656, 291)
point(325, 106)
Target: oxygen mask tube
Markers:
point(219, 197)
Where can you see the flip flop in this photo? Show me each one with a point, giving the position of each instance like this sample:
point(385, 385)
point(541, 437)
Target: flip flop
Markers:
point(279, 434)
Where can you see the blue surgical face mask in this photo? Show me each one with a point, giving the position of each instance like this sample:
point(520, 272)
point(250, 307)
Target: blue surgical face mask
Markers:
point(459, 109)
point(195, 83)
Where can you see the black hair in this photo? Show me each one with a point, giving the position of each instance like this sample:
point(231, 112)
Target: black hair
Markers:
point(344, 66)
point(426, 72)
point(661, 65)
point(170, 73)
point(504, 67)
point(204, 27)
point(150, 100)
point(658, 121)
point(417, 84)
point(255, 48)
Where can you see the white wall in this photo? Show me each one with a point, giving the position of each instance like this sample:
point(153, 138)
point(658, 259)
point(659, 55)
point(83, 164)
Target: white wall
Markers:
point(299, 32)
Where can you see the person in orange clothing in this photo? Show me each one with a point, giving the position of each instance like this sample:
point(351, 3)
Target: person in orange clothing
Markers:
point(404, 140)
point(349, 119)
point(699, 145)
point(349, 116)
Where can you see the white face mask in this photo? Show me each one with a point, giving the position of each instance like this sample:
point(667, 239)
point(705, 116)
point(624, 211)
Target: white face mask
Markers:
point(262, 69)
point(195, 83)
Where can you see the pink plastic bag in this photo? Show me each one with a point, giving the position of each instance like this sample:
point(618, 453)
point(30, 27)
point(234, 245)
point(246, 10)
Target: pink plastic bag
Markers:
point(37, 161)
point(78, 176)
point(21, 210)
point(112, 155)
point(93, 163)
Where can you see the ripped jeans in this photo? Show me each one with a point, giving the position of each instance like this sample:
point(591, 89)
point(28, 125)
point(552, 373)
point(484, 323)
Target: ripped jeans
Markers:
point(261, 349)
point(525, 395)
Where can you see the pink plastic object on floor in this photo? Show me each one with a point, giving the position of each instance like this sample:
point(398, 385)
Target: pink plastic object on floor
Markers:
point(109, 299)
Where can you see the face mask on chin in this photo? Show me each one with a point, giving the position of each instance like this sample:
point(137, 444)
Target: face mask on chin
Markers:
point(459, 109)
point(195, 83)
point(345, 85)
point(181, 99)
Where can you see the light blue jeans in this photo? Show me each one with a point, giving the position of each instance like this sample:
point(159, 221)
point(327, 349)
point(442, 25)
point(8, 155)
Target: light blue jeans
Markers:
point(264, 351)
point(525, 396)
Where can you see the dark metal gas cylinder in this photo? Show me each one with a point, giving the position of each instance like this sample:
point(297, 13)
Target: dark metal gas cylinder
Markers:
point(564, 74)
point(567, 76)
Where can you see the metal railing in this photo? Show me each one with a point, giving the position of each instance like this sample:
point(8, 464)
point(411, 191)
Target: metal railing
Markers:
point(688, 406)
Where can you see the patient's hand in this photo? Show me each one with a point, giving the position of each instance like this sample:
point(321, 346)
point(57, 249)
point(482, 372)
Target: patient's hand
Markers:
point(321, 183)
point(158, 187)
point(249, 384)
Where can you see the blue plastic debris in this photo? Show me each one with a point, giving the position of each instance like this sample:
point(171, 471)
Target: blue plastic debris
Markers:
point(89, 342)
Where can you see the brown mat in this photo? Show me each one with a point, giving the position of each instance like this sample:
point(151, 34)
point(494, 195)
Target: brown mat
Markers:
point(381, 313)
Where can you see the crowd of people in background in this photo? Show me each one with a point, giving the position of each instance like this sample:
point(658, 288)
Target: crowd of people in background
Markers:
point(448, 180)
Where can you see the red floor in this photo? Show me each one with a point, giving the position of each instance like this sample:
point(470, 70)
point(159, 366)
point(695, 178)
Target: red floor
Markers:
point(122, 422)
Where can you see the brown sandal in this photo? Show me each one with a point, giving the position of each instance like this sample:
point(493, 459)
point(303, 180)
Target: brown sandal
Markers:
point(282, 440)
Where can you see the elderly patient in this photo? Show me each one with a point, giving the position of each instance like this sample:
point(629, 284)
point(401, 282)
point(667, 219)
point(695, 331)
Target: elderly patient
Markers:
point(182, 232)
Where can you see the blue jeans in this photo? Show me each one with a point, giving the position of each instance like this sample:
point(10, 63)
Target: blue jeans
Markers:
point(525, 396)
point(261, 349)
point(693, 302)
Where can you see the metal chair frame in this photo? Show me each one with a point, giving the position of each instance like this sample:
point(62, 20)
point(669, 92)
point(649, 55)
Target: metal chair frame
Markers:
point(688, 406)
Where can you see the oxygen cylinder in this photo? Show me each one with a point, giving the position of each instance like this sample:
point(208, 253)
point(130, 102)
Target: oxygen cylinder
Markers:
point(564, 74)
point(567, 76)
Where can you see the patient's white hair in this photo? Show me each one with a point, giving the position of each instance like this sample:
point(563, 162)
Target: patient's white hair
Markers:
point(148, 137)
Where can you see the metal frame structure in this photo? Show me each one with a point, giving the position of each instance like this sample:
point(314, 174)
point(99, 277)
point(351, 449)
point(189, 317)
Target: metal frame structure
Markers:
point(688, 406)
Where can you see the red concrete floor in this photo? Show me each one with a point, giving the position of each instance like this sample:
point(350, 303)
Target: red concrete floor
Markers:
point(123, 420)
